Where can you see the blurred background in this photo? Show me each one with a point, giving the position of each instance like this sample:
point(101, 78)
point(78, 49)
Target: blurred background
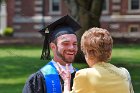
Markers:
point(21, 44)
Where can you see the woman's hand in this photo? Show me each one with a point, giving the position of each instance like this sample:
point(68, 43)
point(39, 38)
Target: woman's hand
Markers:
point(66, 76)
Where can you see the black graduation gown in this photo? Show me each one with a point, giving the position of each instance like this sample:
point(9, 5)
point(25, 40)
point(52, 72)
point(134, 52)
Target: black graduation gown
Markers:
point(36, 83)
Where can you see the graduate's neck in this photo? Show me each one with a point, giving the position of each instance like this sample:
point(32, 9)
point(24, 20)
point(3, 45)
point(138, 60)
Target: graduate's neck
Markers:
point(61, 62)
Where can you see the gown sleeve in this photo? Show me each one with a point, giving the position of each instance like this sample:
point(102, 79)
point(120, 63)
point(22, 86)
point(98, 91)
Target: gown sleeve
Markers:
point(35, 84)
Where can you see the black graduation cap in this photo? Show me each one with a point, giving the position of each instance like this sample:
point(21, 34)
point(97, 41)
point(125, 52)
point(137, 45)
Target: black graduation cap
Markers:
point(64, 25)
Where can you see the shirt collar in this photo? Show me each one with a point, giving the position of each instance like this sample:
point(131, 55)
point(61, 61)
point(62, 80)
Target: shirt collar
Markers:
point(64, 67)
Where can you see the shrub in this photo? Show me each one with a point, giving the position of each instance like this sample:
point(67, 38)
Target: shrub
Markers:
point(8, 31)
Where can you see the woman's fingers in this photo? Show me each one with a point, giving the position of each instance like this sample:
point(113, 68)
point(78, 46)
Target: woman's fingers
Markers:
point(65, 74)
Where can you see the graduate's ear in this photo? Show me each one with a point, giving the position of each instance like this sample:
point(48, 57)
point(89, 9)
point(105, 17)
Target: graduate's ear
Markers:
point(52, 46)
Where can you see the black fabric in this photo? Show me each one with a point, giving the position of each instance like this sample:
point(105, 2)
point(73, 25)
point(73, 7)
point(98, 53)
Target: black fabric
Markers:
point(36, 83)
point(61, 31)
point(63, 22)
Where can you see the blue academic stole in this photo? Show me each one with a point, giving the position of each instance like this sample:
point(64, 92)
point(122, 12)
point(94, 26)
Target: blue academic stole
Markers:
point(52, 80)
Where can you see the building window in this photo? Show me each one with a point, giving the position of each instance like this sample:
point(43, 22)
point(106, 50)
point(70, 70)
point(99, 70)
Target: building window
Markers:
point(134, 5)
point(133, 28)
point(54, 6)
point(105, 7)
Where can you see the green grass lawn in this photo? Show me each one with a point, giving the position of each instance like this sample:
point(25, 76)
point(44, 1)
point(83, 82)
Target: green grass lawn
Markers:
point(17, 63)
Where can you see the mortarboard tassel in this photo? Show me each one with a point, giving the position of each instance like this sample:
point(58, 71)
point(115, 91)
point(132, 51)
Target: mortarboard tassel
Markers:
point(46, 49)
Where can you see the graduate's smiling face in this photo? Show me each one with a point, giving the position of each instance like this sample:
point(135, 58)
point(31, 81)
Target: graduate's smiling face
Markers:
point(66, 48)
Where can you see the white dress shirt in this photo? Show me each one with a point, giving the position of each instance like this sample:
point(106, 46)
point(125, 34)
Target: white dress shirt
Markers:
point(63, 67)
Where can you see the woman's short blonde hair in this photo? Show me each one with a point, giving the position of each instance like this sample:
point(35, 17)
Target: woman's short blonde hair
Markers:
point(98, 43)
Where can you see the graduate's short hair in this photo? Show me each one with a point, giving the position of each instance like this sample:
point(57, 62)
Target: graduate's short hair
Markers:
point(98, 43)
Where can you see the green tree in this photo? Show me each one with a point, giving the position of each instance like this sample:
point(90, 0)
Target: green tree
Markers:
point(88, 13)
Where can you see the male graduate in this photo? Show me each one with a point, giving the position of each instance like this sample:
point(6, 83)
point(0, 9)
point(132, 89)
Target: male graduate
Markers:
point(61, 38)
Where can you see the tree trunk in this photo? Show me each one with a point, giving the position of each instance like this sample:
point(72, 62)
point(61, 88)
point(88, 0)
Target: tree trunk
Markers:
point(87, 13)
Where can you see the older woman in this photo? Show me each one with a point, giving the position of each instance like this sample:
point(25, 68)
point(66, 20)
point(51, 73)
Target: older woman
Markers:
point(101, 77)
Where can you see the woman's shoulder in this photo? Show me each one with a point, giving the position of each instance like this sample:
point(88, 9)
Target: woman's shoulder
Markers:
point(83, 72)
point(86, 70)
